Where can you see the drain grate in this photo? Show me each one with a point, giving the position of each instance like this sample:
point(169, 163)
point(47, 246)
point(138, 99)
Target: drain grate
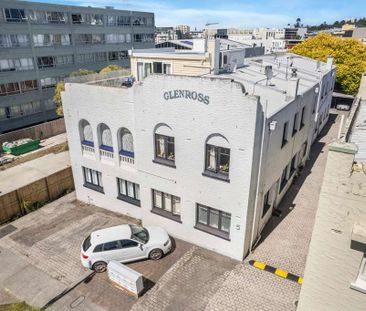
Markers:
point(6, 230)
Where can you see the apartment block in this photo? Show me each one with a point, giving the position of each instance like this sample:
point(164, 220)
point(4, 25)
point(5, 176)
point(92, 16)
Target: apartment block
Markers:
point(41, 44)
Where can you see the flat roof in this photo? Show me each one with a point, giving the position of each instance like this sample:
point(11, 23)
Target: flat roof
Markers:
point(274, 91)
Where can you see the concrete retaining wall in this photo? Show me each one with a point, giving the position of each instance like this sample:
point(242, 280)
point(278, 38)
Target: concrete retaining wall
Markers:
point(40, 131)
point(42, 190)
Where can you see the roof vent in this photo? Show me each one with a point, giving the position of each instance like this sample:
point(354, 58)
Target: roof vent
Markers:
point(294, 73)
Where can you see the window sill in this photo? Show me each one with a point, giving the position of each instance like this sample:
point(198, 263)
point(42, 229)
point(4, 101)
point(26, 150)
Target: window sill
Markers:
point(217, 176)
point(94, 187)
point(129, 200)
point(164, 162)
point(212, 231)
point(166, 214)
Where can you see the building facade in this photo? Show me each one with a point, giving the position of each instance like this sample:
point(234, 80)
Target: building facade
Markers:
point(41, 44)
point(193, 57)
point(206, 157)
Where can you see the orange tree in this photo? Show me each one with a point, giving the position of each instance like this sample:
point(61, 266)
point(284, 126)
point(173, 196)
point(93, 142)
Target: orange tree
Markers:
point(349, 56)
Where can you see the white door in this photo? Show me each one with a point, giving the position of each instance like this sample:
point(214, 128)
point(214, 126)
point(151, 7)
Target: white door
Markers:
point(132, 250)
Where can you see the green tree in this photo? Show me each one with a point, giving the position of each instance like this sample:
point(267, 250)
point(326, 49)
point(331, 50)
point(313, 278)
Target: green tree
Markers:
point(110, 68)
point(349, 56)
point(81, 72)
point(60, 87)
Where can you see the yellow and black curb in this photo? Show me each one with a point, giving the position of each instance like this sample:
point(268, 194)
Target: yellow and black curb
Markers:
point(281, 273)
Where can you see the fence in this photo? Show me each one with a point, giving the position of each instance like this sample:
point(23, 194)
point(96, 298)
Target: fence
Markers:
point(38, 192)
point(40, 131)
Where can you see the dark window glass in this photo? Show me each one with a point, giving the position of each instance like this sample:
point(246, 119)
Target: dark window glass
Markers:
point(294, 128)
point(158, 67)
point(166, 204)
point(302, 118)
point(284, 134)
point(128, 243)
point(266, 204)
point(86, 244)
point(98, 248)
point(110, 246)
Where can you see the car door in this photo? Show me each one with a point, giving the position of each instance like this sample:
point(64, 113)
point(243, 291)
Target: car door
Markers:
point(112, 251)
point(132, 250)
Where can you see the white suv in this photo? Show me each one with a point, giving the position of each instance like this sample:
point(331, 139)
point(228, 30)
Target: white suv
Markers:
point(123, 243)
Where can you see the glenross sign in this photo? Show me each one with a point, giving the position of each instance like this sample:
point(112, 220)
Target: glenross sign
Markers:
point(193, 95)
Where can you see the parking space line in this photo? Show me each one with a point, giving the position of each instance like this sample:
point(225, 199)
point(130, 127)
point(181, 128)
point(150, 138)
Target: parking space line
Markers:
point(279, 272)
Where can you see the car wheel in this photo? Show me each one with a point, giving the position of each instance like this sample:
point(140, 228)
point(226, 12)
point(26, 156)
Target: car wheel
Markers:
point(156, 254)
point(100, 266)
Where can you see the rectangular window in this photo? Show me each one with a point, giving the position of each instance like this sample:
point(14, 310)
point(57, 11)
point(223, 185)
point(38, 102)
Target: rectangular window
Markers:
point(46, 62)
point(302, 121)
point(164, 149)
point(9, 88)
point(16, 64)
point(29, 85)
point(15, 15)
point(128, 191)
point(213, 221)
point(217, 162)
point(158, 67)
point(293, 165)
point(17, 40)
point(266, 203)
point(93, 179)
point(284, 134)
point(284, 178)
point(166, 205)
point(294, 128)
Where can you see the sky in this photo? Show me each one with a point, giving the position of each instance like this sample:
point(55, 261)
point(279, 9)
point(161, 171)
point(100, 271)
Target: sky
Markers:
point(235, 13)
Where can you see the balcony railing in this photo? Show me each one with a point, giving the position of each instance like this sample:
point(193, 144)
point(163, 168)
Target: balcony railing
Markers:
point(87, 147)
point(127, 157)
point(106, 152)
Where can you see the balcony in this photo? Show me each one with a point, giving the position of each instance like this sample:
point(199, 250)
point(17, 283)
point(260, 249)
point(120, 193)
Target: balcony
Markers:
point(106, 154)
point(88, 148)
point(126, 157)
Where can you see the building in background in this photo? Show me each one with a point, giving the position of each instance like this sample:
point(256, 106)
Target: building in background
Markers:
point(208, 156)
point(191, 57)
point(164, 34)
point(359, 34)
point(42, 43)
point(184, 29)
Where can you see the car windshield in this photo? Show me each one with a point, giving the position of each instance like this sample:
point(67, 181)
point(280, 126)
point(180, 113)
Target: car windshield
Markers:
point(139, 234)
point(86, 244)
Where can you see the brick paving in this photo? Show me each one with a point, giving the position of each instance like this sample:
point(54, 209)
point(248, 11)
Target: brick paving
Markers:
point(50, 237)
point(198, 282)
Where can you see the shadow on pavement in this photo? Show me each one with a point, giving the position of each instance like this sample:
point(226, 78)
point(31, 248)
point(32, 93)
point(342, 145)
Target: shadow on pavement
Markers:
point(287, 204)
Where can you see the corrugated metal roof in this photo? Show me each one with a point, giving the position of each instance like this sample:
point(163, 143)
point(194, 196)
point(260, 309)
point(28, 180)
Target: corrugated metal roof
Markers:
point(358, 133)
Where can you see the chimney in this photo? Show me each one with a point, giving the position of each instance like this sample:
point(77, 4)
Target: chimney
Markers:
point(292, 87)
point(213, 50)
point(329, 62)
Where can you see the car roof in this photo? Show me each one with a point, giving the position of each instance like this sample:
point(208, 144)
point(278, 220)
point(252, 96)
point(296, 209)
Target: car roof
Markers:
point(111, 234)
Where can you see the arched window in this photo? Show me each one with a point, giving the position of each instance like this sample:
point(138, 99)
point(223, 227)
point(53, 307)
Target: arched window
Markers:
point(105, 138)
point(217, 157)
point(126, 143)
point(86, 133)
point(164, 145)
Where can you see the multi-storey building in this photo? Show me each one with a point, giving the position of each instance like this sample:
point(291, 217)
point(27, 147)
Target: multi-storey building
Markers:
point(163, 34)
point(207, 157)
point(42, 43)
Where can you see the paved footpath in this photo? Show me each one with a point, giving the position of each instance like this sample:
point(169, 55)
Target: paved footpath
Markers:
point(285, 242)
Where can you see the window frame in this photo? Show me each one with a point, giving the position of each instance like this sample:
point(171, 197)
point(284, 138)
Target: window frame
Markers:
point(134, 199)
point(302, 124)
point(285, 134)
point(217, 173)
point(218, 232)
point(294, 127)
point(98, 186)
point(164, 160)
point(162, 211)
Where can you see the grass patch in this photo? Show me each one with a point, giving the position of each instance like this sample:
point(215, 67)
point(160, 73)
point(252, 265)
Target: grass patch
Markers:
point(20, 306)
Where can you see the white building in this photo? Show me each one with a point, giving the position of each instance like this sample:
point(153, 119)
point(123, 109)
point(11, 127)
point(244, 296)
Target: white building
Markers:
point(206, 157)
